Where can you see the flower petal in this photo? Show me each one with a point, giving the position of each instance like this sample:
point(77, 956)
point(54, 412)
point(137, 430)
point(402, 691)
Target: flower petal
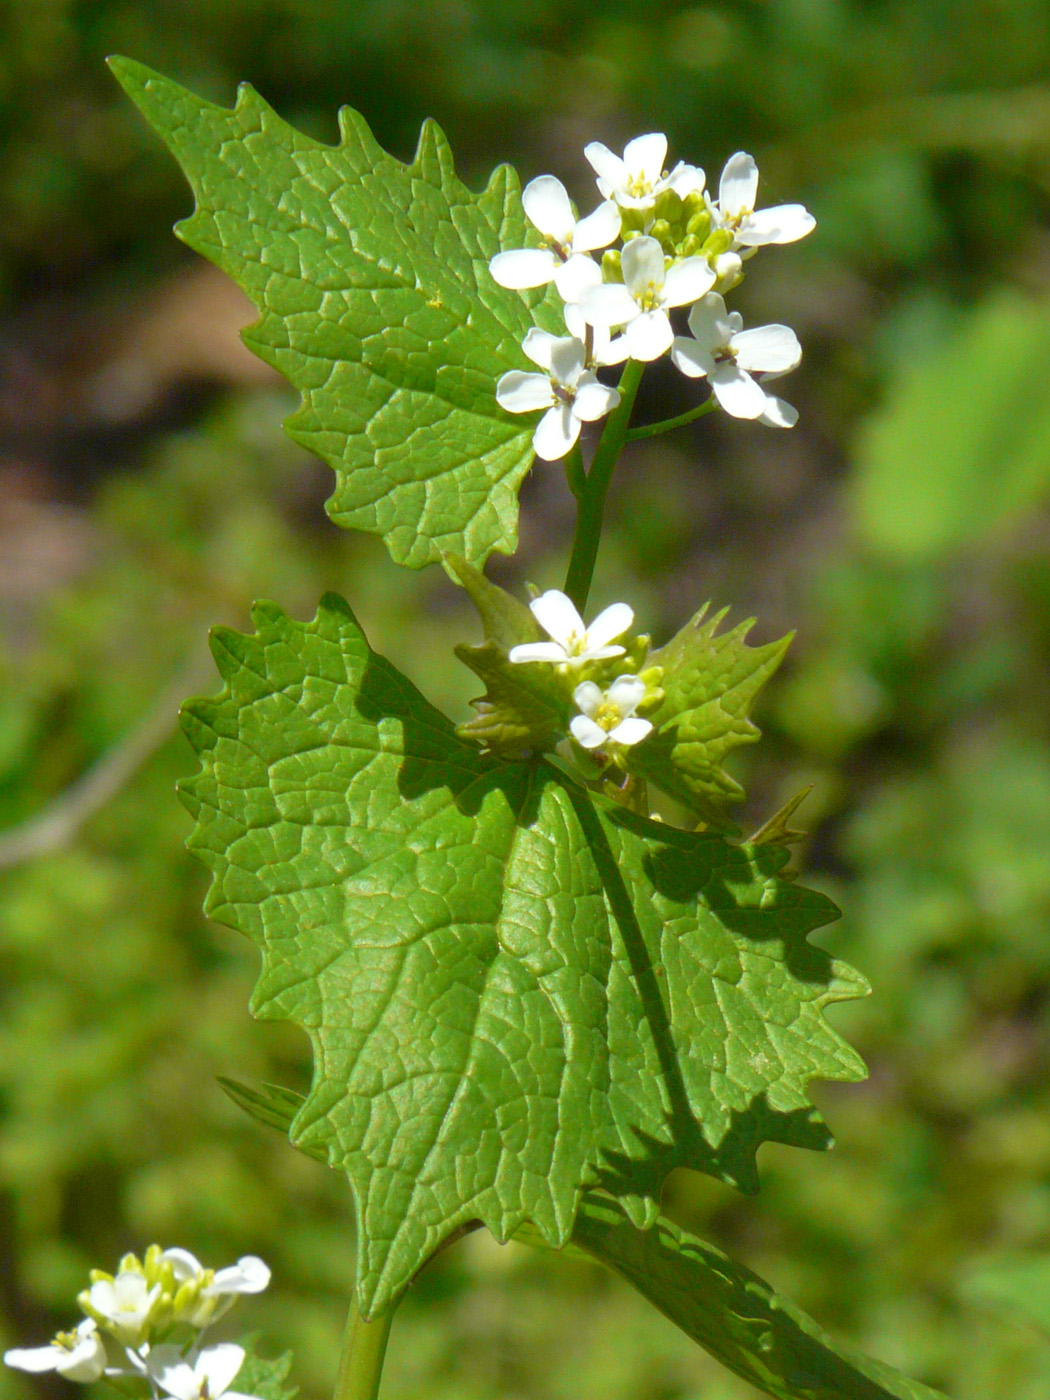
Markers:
point(778, 414)
point(645, 156)
point(686, 179)
point(184, 1265)
point(576, 276)
point(631, 730)
point(709, 322)
point(567, 358)
point(587, 697)
point(738, 187)
point(586, 733)
point(602, 161)
point(537, 651)
point(649, 335)
point(609, 305)
point(556, 433)
point(690, 357)
point(219, 1364)
point(538, 345)
point(627, 693)
point(687, 281)
point(598, 229)
point(524, 267)
point(249, 1275)
point(609, 625)
point(35, 1359)
point(784, 223)
point(737, 392)
point(547, 206)
point(774, 348)
point(642, 263)
point(556, 613)
point(519, 392)
point(594, 400)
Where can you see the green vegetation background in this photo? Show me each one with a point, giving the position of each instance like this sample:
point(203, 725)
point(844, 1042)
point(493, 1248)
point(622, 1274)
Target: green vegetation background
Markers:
point(903, 528)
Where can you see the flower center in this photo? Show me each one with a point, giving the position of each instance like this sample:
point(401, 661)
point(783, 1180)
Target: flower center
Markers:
point(649, 298)
point(607, 716)
point(68, 1341)
point(575, 643)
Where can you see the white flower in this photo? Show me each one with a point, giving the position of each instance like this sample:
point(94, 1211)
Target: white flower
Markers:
point(573, 642)
point(568, 390)
point(635, 180)
point(735, 210)
point(605, 350)
point(217, 1287)
point(608, 716)
point(720, 350)
point(640, 302)
point(566, 240)
point(206, 1378)
point(122, 1304)
point(79, 1355)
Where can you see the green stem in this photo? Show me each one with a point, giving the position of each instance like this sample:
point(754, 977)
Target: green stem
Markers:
point(655, 429)
point(361, 1364)
point(574, 472)
point(592, 499)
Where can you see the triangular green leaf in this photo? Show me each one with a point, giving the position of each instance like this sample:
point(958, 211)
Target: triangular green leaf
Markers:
point(376, 302)
point(710, 681)
point(514, 989)
point(264, 1378)
point(734, 1314)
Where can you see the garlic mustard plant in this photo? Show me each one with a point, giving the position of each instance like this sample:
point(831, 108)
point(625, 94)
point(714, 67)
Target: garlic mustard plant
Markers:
point(540, 965)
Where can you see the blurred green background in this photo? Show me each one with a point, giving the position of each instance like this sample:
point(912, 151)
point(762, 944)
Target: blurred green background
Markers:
point(902, 528)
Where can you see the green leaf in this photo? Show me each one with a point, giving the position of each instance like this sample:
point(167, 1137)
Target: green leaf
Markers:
point(263, 1378)
point(710, 681)
point(372, 282)
point(734, 1314)
point(514, 990)
point(962, 445)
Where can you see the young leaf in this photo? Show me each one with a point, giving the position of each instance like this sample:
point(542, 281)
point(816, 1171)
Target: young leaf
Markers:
point(734, 1314)
point(372, 282)
point(710, 681)
point(263, 1378)
point(514, 989)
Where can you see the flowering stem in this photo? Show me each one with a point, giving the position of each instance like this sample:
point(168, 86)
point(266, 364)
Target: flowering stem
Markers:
point(655, 429)
point(574, 472)
point(595, 487)
point(364, 1347)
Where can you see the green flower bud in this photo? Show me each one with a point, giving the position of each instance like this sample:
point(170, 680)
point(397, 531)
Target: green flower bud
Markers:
point(611, 270)
point(720, 240)
point(699, 224)
point(632, 221)
point(668, 206)
point(690, 246)
point(661, 231)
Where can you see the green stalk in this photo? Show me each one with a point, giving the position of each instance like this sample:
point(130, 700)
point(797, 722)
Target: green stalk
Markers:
point(364, 1347)
point(595, 488)
point(655, 429)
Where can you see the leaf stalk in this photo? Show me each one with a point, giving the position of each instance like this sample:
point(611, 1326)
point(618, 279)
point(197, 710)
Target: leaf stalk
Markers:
point(361, 1362)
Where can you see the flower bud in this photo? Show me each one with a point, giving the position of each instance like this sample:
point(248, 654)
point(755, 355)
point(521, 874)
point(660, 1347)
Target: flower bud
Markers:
point(611, 270)
point(699, 224)
point(668, 207)
point(718, 241)
point(661, 231)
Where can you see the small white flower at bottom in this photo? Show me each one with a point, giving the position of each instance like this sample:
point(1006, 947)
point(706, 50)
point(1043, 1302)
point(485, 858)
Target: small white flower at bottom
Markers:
point(720, 350)
point(78, 1355)
point(207, 1377)
point(569, 391)
point(608, 716)
point(573, 642)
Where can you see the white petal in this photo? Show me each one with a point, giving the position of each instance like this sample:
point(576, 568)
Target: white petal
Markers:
point(627, 693)
point(524, 267)
point(738, 187)
point(778, 414)
point(556, 433)
point(588, 697)
point(687, 281)
point(519, 392)
point(184, 1265)
point(690, 357)
point(538, 345)
point(576, 276)
point(773, 348)
point(556, 613)
point(602, 161)
point(645, 156)
point(537, 651)
point(609, 352)
point(547, 206)
point(686, 180)
point(784, 223)
point(180, 1380)
point(728, 268)
point(609, 625)
point(219, 1364)
point(567, 359)
point(609, 305)
point(598, 229)
point(35, 1359)
point(586, 733)
point(649, 335)
point(737, 392)
point(631, 730)
point(594, 401)
point(642, 264)
point(709, 323)
point(249, 1275)
point(87, 1361)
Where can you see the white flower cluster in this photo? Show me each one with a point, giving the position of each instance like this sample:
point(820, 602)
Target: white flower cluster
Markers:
point(127, 1312)
point(679, 248)
point(605, 717)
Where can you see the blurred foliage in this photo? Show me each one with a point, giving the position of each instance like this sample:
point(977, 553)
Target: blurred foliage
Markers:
point(902, 528)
